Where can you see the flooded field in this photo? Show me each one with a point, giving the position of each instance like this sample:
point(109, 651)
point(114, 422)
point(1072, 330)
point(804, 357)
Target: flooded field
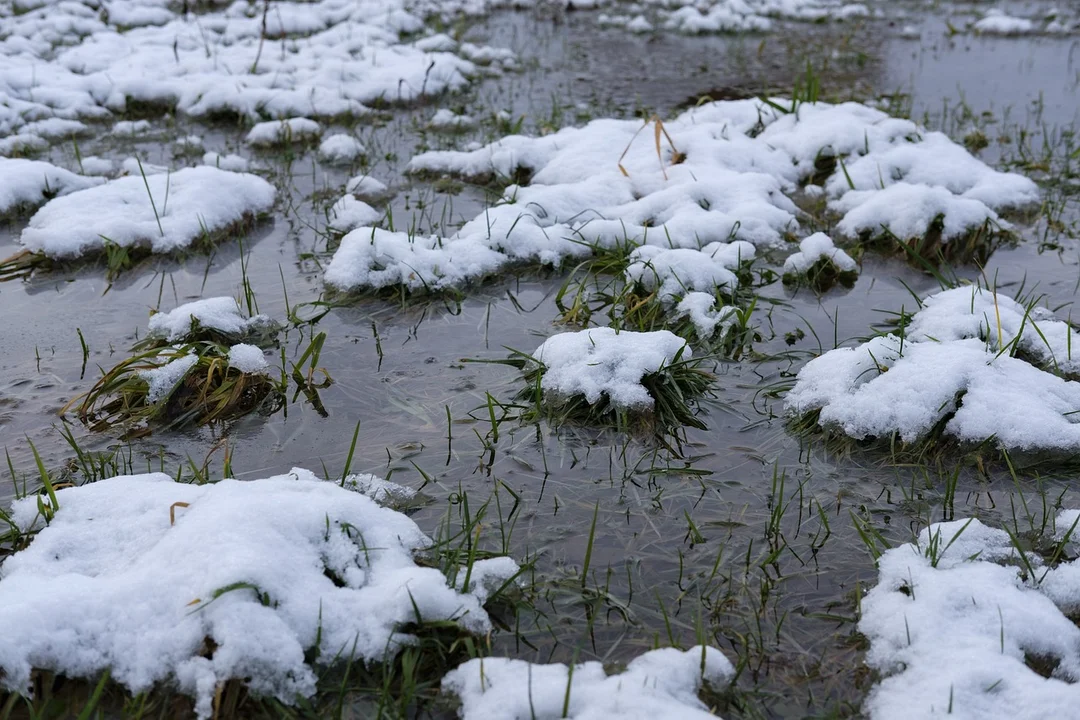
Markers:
point(749, 535)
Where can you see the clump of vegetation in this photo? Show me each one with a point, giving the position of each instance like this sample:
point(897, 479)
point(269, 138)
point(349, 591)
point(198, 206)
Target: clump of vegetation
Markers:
point(932, 250)
point(823, 275)
point(675, 390)
point(629, 306)
point(208, 375)
point(206, 389)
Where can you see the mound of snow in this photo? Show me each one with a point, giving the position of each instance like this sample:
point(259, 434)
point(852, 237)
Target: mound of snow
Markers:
point(370, 258)
point(188, 204)
point(954, 619)
point(676, 272)
point(27, 184)
point(949, 372)
point(72, 61)
point(728, 173)
point(448, 121)
point(661, 683)
point(249, 578)
point(701, 308)
point(340, 149)
point(998, 23)
point(221, 314)
point(349, 213)
point(275, 133)
point(602, 362)
point(814, 248)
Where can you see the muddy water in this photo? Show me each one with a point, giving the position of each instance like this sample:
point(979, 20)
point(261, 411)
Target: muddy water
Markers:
point(778, 595)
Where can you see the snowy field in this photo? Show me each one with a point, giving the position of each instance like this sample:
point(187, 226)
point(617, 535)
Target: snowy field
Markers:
point(505, 359)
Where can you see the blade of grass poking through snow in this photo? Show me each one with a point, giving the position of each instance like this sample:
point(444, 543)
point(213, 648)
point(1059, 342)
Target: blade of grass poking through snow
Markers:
point(349, 456)
point(1059, 549)
point(153, 206)
point(45, 480)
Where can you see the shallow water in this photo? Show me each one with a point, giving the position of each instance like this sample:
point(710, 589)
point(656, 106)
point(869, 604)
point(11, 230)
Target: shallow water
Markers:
point(779, 593)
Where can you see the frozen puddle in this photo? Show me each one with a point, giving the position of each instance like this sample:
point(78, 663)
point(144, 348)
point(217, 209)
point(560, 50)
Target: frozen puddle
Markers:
point(199, 584)
point(959, 627)
point(722, 172)
point(972, 364)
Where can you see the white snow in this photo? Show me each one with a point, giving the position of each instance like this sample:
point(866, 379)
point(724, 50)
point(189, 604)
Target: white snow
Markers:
point(952, 619)
point(222, 314)
point(232, 163)
point(741, 16)
point(948, 370)
point(282, 132)
point(370, 258)
point(675, 272)
point(701, 308)
point(246, 564)
point(448, 121)
point(247, 358)
point(975, 312)
point(601, 362)
point(813, 248)
point(340, 149)
point(188, 203)
point(381, 491)
point(660, 683)
point(94, 165)
point(26, 184)
point(366, 187)
point(163, 379)
point(997, 22)
point(135, 166)
point(349, 213)
point(737, 167)
point(131, 128)
point(326, 58)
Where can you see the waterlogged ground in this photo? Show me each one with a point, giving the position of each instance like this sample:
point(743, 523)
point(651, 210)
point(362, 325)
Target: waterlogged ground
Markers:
point(753, 539)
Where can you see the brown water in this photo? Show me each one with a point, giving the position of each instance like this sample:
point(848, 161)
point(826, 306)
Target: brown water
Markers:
point(779, 593)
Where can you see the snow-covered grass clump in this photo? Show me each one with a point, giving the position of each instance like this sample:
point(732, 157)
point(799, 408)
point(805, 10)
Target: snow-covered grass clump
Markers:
point(276, 133)
point(971, 365)
point(349, 213)
point(446, 120)
point(820, 264)
point(160, 213)
point(736, 16)
point(218, 317)
point(724, 171)
point(602, 376)
point(996, 22)
point(661, 683)
point(674, 273)
point(340, 149)
point(201, 362)
point(196, 585)
point(73, 62)
point(962, 625)
point(27, 184)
